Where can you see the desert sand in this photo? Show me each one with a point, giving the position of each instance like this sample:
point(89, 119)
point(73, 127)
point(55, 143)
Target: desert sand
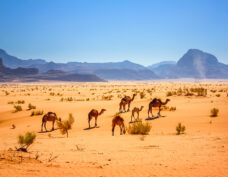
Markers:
point(201, 151)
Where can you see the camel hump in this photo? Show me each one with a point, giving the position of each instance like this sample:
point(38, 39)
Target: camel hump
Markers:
point(49, 113)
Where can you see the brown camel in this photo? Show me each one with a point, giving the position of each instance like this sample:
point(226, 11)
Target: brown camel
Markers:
point(126, 101)
point(94, 113)
point(136, 110)
point(156, 103)
point(117, 120)
point(50, 116)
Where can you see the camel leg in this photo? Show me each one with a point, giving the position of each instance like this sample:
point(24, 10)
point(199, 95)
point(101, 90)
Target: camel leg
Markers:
point(42, 126)
point(128, 107)
point(138, 115)
point(159, 111)
point(45, 126)
point(53, 124)
point(113, 128)
point(132, 115)
point(120, 110)
point(95, 121)
point(124, 107)
point(120, 130)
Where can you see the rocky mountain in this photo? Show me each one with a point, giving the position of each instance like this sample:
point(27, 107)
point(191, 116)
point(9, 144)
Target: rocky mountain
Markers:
point(194, 64)
point(32, 75)
point(124, 70)
point(156, 65)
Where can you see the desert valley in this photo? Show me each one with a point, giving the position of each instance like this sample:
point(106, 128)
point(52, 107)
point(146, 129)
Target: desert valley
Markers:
point(201, 150)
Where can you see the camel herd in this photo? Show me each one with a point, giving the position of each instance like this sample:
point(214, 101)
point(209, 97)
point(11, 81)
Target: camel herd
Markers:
point(117, 120)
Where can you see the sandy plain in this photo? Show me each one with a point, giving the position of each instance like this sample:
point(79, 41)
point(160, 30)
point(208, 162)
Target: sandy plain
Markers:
point(201, 151)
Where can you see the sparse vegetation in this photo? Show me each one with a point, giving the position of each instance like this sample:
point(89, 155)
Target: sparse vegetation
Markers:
point(30, 106)
point(37, 113)
point(139, 128)
point(142, 95)
point(214, 112)
point(180, 129)
point(20, 102)
point(17, 108)
point(25, 141)
point(66, 125)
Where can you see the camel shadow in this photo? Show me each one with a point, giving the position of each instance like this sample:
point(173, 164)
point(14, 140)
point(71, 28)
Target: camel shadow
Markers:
point(131, 122)
point(91, 128)
point(123, 112)
point(47, 131)
point(153, 118)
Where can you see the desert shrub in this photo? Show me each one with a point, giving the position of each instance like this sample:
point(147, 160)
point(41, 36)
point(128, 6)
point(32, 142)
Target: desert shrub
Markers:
point(17, 108)
point(36, 113)
point(213, 91)
point(30, 106)
point(20, 102)
point(218, 95)
point(200, 91)
point(142, 95)
point(172, 109)
point(180, 129)
point(52, 94)
point(214, 112)
point(189, 94)
point(139, 128)
point(107, 98)
point(7, 93)
point(10, 102)
point(65, 125)
point(26, 140)
point(169, 93)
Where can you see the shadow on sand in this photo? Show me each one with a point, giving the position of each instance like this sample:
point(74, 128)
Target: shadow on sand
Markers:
point(47, 131)
point(153, 118)
point(91, 128)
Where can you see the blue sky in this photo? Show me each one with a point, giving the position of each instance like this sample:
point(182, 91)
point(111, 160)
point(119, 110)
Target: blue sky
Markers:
point(142, 31)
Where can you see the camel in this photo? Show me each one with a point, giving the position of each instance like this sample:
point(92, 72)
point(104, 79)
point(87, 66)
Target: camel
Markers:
point(94, 113)
point(124, 101)
point(50, 116)
point(156, 103)
point(136, 110)
point(117, 120)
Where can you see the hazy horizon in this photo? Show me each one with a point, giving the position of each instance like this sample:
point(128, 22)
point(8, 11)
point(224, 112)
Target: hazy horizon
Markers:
point(144, 32)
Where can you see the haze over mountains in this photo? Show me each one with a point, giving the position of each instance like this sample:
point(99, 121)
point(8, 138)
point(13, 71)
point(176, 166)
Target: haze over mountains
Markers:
point(193, 64)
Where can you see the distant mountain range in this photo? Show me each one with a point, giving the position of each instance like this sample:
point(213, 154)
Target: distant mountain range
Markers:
point(193, 64)
point(32, 75)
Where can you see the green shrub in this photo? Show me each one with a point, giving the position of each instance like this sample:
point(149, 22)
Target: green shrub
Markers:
point(180, 128)
point(214, 112)
point(65, 125)
point(139, 128)
point(36, 113)
point(30, 106)
point(26, 140)
point(17, 108)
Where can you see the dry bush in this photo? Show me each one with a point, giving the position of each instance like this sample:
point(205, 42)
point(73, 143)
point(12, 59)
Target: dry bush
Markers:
point(142, 95)
point(66, 125)
point(17, 108)
point(214, 112)
point(26, 140)
point(139, 128)
point(30, 106)
point(37, 113)
point(180, 129)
